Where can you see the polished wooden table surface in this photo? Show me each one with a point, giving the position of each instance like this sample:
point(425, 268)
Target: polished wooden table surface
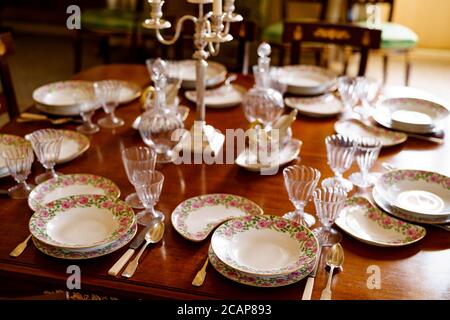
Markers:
point(418, 271)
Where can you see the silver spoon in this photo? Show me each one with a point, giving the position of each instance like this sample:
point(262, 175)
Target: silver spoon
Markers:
point(153, 235)
point(335, 259)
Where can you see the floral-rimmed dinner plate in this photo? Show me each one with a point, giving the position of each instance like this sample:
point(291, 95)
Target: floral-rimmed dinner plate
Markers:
point(82, 221)
point(355, 128)
point(365, 222)
point(225, 96)
point(417, 114)
point(307, 79)
point(7, 140)
point(326, 105)
point(69, 185)
point(196, 217)
point(258, 281)
point(215, 73)
point(264, 245)
point(73, 145)
point(247, 159)
point(418, 192)
point(384, 205)
point(58, 98)
point(66, 254)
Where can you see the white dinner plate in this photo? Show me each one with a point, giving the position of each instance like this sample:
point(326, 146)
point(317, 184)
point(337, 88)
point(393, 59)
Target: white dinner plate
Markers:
point(67, 254)
point(222, 97)
point(354, 129)
point(307, 79)
point(321, 106)
point(58, 98)
point(82, 221)
point(73, 145)
point(410, 114)
point(69, 185)
point(247, 159)
point(264, 245)
point(215, 73)
point(361, 220)
point(417, 192)
point(258, 281)
point(196, 217)
point(413, 217)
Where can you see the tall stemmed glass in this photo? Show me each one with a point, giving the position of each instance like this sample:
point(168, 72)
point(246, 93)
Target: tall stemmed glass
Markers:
point(349, 95)
point(367, 151)
point(340, 154)
point(148, 184)
point(18, 161)
point(88, 104)
point(300, 181)
point(367, 90)
point(329, 203)
point(108, 94)
point(46, 144)
point(137, 159)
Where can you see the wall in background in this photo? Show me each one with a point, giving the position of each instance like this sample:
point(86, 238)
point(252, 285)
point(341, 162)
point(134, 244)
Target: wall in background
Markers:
point(429, 19)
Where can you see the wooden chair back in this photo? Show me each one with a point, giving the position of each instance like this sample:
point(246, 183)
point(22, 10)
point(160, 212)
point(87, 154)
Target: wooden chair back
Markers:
point(364, 39)
point(7, 95)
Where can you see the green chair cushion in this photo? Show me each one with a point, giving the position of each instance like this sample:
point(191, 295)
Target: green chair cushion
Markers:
point(273, 33)
point(393, 35)
point(107, 19)
point(396, 36)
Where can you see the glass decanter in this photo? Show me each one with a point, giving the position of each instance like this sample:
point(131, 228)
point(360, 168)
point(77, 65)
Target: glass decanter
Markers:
point(159, 124)
point(263, 104)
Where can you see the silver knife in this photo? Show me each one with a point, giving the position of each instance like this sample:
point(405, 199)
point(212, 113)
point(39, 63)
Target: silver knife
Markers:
point(310, 282)
point(115, 269)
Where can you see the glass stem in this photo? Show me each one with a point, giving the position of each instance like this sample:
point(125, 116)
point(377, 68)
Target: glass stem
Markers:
point(113, 116)
point(87, 118)
point(364, 174)
point(299, 211)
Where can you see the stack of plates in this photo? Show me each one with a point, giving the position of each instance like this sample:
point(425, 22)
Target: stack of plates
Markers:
point(82, 226)
point(79, 216)
point(59, 98)
point(414, 195)
point(185, 70)
point(263, 251)
point(307, 80)
point(410, 115)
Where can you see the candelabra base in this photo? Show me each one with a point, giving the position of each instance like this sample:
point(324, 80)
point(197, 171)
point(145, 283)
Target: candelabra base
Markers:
point(201, 138)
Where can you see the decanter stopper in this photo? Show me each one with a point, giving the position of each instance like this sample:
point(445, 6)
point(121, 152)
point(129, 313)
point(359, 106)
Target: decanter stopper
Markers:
point(158, 70)
point(264, 51)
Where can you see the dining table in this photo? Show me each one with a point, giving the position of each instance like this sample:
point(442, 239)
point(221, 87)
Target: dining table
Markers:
point(166, 270)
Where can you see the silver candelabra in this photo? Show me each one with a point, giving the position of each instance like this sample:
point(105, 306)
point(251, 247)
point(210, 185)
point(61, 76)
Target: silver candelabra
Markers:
point(211, 29)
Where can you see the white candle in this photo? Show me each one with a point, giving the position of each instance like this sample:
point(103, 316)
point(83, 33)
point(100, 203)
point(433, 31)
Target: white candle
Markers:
point(217, 7)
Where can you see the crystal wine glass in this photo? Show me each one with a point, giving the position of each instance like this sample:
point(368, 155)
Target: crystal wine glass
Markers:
point(108, 94)
point(329, 203)
point(88, 104)
point(367, 151)
point(340, 154)
point(46, 144)
point(367, 90)
point(18, 161)
point(349, 96)
point(300, 181)
point(148, 185)
point(134, 159)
